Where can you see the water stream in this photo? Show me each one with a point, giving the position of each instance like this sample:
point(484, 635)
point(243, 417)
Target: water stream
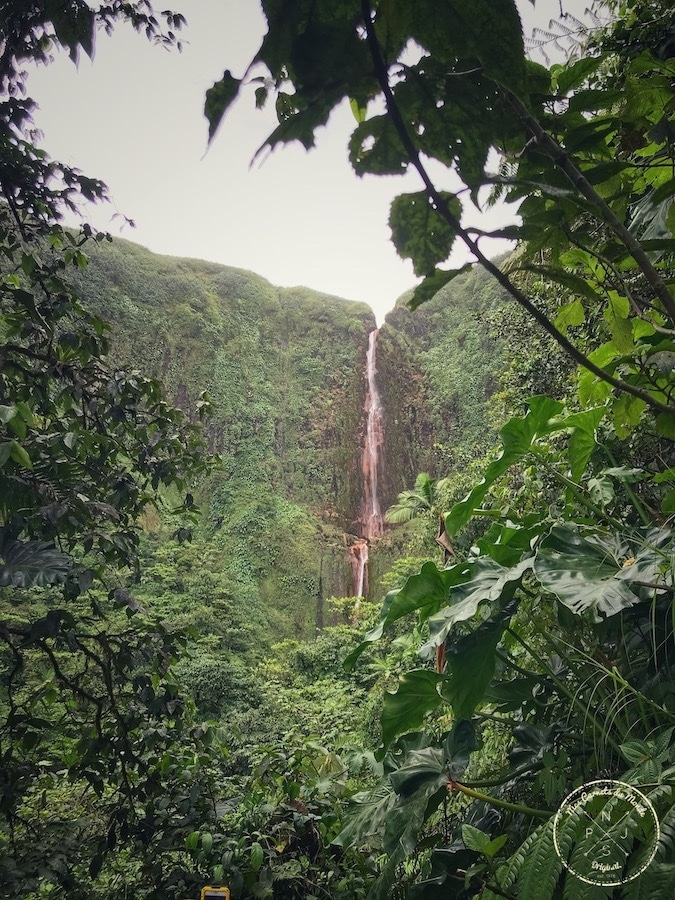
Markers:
point(370, 515)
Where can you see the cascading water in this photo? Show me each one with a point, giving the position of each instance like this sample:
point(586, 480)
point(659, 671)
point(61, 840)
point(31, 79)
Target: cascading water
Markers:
point(358, 554)
point(370, 515)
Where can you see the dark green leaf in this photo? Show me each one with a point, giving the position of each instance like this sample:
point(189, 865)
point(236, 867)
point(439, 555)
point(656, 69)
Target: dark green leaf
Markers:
point(488, 583)
point(433, 283)
point(420, 232)
point(582, 570)
point(32, 564)
point(471, 662)
point(416, 695)
point(375, 148)
point(219, 98)
point(517, 437)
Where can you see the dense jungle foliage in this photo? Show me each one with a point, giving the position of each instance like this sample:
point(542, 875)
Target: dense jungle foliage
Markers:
point(167, 717)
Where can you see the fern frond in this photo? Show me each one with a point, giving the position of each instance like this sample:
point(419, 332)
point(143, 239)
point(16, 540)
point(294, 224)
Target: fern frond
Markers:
point(657, 882)
point(541, 867)
point(508, 873)
point(535, 867)
point(576, 889)
point(665, 849)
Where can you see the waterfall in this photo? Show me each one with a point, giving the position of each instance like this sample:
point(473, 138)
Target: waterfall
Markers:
point(370, 515)
point(358, 553)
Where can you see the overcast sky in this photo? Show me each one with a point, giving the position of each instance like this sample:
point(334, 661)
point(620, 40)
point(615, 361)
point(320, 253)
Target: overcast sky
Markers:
point(134, 118)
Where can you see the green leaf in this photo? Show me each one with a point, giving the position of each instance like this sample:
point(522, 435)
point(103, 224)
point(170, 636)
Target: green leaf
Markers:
point(616, 316)
point(417, 694)
point(32, 564)
point(419, 231)
point(627, 411)
point(517, 438)
point(472, 666)
point(493, 848)
point(575, 283)
point(570, 314)
point(665, 425)
point(375, 148)
point(420, 766)
point(424, 593)
point(219, 98)
point(488, 583)
point(474, 838)
point(368, 813)
point(19, 455)
point(575, 74)
point(582, 440)
point(358, 111)
point(433, 283)
point(670, 219)
point(7, 413)
point(257, 856)
point(192, 841)
point(582, 571)
point(636, 752)
point(668, 502)
point(207, 842)
point(591, 389)
point(28, 263)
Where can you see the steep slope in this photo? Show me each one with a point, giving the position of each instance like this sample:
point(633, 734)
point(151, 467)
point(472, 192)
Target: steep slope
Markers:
point(285, 371)
point(283, 368)
point(438, 367)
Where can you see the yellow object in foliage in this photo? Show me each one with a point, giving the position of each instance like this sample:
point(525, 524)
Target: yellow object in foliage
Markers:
point(213, 893)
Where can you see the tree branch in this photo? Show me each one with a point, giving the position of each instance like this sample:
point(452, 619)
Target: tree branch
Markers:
point(443, 210)
point(554, 151)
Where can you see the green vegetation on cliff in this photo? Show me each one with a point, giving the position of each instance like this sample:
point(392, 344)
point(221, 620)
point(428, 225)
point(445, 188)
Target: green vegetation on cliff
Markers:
point(284, 372)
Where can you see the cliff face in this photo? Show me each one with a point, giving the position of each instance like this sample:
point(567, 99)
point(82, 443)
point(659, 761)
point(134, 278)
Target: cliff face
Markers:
point(285, 372)
point(439, 365)
point(283, 368)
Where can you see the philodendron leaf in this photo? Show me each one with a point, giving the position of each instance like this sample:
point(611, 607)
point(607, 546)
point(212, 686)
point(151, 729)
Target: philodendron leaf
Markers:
point(420, 766)
point(471, 666)
point(489, 582)
point(583, 571)
point(458, 747)
point(367, 814)
point(424, 593)
point(404, 710)
point(649, 568)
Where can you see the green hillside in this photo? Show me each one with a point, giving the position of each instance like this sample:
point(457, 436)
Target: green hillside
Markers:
point(284, 370)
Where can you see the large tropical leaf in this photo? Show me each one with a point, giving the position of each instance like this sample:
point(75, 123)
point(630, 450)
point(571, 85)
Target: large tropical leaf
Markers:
point(405, 710)
point(425, 593)
point(584, 571)
point(489, 583)
point(471, 665)
point(32, 564)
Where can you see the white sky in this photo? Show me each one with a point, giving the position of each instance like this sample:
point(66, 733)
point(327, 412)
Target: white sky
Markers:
point(134, 119)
